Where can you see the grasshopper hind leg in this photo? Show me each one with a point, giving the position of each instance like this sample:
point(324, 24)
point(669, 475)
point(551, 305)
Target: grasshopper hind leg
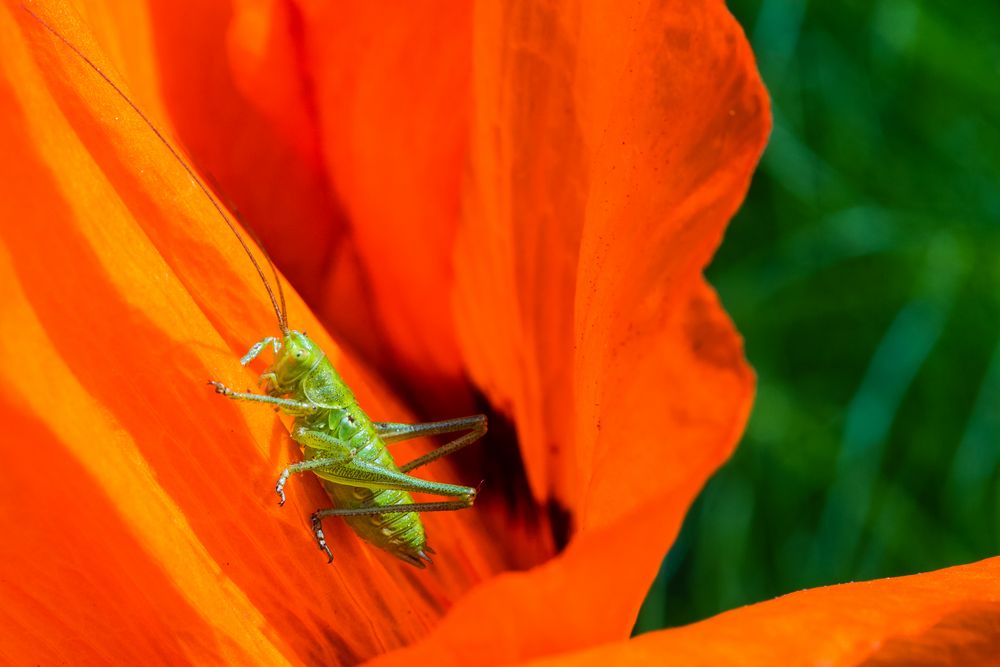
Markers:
point(379, 477)
point(392, 432)
point(413, 559)
point(416, 560)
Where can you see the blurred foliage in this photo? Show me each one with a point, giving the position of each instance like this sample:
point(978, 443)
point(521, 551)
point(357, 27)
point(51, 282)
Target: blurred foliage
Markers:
point(863, 272)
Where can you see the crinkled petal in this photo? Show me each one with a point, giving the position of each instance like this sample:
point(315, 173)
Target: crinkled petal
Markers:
point(947, 617)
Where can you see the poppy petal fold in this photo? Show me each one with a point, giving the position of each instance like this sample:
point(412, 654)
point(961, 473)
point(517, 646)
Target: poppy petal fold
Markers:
point(588, 220)
point(585, 596)
point(604, 171)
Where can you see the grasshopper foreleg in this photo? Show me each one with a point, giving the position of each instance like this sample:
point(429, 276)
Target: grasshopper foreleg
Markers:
point(290, 406)
point(258, 347)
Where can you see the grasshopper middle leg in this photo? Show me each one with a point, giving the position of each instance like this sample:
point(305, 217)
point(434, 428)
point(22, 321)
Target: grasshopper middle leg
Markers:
point(377, 478)
point(319, 515)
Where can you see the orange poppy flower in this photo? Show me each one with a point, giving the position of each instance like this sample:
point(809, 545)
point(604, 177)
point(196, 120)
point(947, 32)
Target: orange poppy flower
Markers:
point(520, 196)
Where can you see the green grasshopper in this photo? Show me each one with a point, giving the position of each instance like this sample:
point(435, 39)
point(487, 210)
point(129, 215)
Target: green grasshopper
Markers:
point(341, 444)
point(347, 450)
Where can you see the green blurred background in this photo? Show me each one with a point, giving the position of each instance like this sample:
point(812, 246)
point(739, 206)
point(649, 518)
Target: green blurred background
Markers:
point(863, 271)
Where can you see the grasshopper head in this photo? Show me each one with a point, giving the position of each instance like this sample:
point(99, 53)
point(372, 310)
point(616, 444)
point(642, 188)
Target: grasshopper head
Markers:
point(297, 356)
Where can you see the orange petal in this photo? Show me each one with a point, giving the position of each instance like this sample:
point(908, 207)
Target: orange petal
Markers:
point(230, 81)
point(591, 592)
point(392, 97)
point(123, 293)
point(609, 151)
point(591, 215)
point(248, 125)
point(302, 220)
point(947, 617)
point(600, 204)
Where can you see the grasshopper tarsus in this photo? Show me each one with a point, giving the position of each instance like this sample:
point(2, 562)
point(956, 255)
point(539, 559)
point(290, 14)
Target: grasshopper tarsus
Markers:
point(279, 487)
point(317, 525)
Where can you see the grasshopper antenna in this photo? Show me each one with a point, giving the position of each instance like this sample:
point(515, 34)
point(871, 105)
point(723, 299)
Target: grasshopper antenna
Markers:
point(279, 311)
point(283, 317)
point(274, 270)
